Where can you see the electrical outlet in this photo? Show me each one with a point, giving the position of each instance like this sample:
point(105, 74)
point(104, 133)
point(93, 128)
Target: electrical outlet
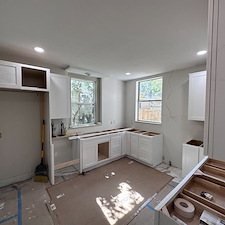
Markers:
point(163, 158)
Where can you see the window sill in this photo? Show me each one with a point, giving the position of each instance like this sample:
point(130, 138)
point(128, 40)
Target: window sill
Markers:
point(149, 122)
point(86, 125)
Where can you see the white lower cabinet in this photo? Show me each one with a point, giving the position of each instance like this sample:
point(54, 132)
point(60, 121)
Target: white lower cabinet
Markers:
point(123, 143)
point(145, 146)
point(116, 145)
point(151, 149)
point(127, 141)
point(94, 150)
point(145, 149)
point(134, 145)
point(191, 156)
point(210, 179)
point(89, 150)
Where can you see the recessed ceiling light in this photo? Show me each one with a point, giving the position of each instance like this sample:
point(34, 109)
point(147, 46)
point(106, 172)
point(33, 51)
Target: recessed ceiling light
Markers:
point(39, 49)
point(127, 74)
point(203, 52)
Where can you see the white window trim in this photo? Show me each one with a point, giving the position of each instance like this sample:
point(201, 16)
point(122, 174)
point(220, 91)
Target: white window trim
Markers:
point(137, 102)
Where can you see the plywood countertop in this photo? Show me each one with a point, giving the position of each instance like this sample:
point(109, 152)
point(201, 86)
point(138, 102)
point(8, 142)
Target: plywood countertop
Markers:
point(75, 135)
point(68, 135)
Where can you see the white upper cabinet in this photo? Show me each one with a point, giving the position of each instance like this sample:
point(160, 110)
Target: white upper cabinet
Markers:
point(23, 77)
point(197, 95)
point(34, 78)
point(10, 75)
point(59, 96)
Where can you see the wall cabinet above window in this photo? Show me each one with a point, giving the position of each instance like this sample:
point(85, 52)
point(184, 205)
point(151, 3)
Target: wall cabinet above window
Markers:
point(197, 94)
point(23, 77)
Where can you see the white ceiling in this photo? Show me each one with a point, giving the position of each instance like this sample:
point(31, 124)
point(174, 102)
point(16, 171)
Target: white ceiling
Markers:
point(109, 37)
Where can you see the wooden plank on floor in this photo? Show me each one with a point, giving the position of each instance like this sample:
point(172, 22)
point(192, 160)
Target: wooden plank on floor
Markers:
point(65, 164)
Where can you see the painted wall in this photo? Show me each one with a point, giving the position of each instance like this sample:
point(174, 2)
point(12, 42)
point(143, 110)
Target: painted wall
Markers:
point(176, 127)
point(20, 144)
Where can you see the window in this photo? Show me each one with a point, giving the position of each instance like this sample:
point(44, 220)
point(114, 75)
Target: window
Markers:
point(83, 102)
point(149, 100)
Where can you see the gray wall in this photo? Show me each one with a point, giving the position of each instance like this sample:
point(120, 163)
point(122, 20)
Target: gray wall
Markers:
point(20, 145)
point(176, 127)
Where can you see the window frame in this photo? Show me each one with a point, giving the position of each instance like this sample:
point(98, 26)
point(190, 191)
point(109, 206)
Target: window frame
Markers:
point(95, 102)
point(139, 101)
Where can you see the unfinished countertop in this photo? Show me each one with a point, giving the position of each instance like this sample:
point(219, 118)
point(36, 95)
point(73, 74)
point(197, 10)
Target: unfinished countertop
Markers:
point(105, 132)
point(97, 133)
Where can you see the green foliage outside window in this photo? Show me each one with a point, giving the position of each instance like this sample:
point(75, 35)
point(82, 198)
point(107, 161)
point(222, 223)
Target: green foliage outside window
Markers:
point(150, 89)
point(82, 102)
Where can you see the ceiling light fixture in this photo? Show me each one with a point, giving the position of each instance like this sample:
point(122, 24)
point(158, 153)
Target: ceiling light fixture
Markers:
point(127, 74)
point(39, 49)
point(203, 52)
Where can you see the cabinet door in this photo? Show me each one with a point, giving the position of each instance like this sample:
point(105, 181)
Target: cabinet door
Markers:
point(89, 150)
point(190, 156)
point(134, 139)
point(10, 75)
point(127, 136)
point(200, 153)
point(59, 96)
point(123, 143)
point(115, 145)
point(145, 149)
point(197, 94)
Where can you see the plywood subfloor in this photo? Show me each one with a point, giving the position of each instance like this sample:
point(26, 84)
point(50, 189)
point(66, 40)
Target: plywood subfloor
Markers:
point(110, 194)
point(33, 198)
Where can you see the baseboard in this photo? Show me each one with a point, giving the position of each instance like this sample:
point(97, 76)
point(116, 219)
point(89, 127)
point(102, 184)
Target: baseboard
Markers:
point(13, 180)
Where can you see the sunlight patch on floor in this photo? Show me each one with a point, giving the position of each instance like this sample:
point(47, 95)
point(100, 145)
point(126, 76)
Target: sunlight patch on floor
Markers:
point(118, 206)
